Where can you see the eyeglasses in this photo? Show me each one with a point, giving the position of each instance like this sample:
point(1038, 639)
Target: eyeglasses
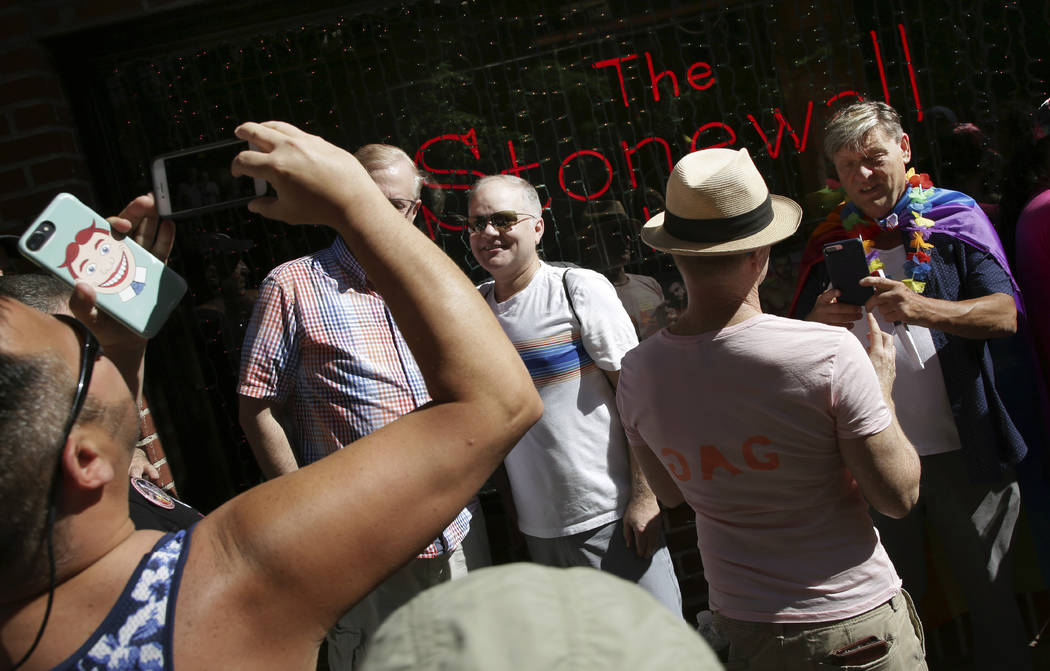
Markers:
point(402, 205)
point(90, 351)
point(501, 221)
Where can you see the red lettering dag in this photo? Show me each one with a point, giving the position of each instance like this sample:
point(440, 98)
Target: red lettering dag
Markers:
point(680, 469)
point(770, 462)
point(711, 458)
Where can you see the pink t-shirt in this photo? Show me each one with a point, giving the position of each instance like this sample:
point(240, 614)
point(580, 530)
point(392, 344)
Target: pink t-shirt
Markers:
point(747, 422)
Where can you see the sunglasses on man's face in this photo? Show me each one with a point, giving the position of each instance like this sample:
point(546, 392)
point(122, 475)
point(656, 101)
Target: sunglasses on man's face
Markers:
point(501, 221)
point(89, 352)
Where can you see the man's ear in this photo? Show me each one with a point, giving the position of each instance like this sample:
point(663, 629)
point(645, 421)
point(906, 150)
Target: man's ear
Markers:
point(906, 148)
point(539, 228)
point(87, 465)
point(759, 258)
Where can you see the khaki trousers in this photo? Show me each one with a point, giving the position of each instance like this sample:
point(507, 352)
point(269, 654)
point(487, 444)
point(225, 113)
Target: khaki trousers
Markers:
point(766, 646)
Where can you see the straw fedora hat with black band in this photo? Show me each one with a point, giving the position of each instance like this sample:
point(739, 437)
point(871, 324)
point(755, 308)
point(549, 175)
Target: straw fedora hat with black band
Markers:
point(718, 204)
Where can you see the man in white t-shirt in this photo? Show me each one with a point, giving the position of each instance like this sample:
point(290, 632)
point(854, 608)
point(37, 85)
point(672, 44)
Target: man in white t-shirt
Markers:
point(778, 433)
point(579, 498)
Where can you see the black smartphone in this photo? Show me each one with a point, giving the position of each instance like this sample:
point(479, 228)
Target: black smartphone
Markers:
point(198, 180)
point(847, 266)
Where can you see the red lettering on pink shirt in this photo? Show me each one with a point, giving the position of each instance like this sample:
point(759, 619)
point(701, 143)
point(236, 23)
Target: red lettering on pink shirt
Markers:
point(767, 463)
point(680, 469)
point(711, 458)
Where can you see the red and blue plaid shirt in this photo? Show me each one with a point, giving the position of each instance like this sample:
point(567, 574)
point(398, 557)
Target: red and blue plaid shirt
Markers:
point(323, 347)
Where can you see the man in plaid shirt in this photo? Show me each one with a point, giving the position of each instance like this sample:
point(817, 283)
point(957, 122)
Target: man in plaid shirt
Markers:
point(323, 364)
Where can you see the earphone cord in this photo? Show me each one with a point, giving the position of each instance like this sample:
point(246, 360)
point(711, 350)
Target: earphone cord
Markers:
point(50, 585)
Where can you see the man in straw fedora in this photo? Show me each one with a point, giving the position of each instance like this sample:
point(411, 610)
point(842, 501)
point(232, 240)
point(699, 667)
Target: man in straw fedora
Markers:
point(778, 433)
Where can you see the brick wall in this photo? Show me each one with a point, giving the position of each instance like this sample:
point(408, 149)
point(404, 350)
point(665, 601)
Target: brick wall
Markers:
point(40, 153)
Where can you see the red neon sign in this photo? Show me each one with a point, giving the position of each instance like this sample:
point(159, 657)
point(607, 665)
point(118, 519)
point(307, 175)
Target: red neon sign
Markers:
point(712, 134)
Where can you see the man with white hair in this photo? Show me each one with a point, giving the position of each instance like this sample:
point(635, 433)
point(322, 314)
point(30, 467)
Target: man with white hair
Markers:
point(579, 498)
point(774, 431)
point(323, 365)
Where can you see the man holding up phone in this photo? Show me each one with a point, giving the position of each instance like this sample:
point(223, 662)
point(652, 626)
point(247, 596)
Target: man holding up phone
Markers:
point(948, 279)
point(269, 572)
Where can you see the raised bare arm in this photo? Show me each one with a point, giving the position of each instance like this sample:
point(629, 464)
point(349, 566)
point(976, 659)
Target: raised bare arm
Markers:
point(289, 556)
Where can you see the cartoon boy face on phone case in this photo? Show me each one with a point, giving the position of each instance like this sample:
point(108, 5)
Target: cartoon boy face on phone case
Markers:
point(105, 263)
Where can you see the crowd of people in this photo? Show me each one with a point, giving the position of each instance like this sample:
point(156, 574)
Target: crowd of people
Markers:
point(379, 390)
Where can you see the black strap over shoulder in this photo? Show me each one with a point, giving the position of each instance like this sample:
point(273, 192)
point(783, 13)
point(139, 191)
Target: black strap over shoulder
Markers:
point(568, 297)
point(572, 308)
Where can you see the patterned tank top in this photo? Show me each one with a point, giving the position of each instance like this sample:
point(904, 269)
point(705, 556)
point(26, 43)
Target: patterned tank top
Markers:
point(136, 634)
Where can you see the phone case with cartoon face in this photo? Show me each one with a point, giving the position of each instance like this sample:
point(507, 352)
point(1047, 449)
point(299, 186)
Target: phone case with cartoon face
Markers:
point(74, 243)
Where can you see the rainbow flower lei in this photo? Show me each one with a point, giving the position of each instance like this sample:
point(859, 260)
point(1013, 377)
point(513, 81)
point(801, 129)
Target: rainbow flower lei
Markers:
point(919, 191)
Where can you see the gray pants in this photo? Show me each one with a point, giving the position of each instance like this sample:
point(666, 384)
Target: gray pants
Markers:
point(605, 549)
point(975, 524)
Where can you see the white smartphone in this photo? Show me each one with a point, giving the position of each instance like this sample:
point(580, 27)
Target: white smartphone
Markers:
point(74, 243)
point(198, 180)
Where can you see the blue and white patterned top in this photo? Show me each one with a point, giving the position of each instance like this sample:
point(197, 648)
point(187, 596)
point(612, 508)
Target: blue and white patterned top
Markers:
point(136, 636)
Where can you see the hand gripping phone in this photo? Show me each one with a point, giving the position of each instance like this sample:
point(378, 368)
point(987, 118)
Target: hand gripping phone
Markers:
point(198, 180)
point(847, 266)
point(74, 243)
